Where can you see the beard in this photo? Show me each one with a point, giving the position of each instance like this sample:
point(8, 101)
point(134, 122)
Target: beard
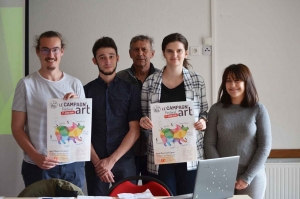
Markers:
point(107, 73)
point(50, 68)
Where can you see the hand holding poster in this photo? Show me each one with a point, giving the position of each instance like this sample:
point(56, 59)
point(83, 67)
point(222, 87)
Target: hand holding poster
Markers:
point(69, 129)
point(174, 135)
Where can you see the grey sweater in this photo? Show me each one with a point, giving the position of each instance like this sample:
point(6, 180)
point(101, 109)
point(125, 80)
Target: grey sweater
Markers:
point(239, 131)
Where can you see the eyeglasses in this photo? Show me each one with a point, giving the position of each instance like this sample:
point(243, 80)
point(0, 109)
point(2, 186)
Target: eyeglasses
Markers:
point(46, 51)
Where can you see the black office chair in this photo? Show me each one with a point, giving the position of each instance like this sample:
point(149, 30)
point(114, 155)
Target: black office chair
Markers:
point(51, 188)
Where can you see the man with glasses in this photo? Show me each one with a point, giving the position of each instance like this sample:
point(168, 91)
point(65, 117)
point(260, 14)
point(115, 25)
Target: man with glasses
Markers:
point(141, 51)
point(29, 113)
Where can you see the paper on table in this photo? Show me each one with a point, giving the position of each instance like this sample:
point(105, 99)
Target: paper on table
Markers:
point(146, 194)
point(94, 197)
point(56, 198)
point(103, 197)
point(85, 197)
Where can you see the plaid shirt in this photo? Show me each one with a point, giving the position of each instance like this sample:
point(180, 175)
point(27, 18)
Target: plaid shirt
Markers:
point(194, 91)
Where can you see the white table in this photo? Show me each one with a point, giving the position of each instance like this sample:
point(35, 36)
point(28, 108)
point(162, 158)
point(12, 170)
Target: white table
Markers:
point(240, 197)
point(234, 197)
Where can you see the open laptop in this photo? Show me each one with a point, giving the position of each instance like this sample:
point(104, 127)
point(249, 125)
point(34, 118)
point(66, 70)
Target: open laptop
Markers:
point(215, 179)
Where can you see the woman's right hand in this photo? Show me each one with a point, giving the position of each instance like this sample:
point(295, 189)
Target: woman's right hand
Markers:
point(241, 184)
point(146, 123)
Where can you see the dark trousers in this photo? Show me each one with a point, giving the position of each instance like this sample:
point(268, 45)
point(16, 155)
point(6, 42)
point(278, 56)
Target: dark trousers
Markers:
point(122, 169)
point(73, 172)
point(141, 165)
point(177, 178)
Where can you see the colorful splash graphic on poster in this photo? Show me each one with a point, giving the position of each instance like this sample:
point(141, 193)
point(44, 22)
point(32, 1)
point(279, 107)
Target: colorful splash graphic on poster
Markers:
point(173, 133)
point(69, 129)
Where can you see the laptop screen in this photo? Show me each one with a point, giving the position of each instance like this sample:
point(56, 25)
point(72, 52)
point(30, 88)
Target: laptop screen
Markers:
point(216, 178)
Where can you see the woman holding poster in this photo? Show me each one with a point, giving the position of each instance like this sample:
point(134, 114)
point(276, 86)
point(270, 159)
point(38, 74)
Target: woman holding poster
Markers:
point(175, 83)
point(240, 125)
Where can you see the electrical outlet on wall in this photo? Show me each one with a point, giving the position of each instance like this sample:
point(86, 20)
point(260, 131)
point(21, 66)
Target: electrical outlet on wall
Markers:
point(206, 50)
point(195, 50)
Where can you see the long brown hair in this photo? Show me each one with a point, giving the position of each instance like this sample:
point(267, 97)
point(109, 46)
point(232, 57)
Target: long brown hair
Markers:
point(240, 72)
point(176, 37)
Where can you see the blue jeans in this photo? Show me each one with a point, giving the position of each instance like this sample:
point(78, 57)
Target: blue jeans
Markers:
point(73, 172)
point(123, 168)
point(177, 178)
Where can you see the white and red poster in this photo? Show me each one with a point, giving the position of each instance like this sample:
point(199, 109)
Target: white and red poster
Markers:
point(173, 132)
point(69, 129)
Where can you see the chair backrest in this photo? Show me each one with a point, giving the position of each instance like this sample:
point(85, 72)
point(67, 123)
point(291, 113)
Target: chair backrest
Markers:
point(51, 188)
point(156, 187)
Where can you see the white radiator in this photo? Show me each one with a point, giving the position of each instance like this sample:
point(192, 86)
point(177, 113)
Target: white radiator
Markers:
point(283, 180)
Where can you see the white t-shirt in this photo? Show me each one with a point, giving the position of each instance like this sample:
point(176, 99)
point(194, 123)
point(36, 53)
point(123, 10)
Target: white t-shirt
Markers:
point(31, 96)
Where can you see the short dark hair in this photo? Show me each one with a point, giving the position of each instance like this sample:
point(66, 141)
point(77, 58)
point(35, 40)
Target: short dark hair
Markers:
point(49, 34)
point(104, 42)
point(176, 37)
point(240, 72)
point(142, 38)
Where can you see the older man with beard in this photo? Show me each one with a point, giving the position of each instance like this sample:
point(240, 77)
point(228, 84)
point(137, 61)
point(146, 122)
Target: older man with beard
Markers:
point(29, 113)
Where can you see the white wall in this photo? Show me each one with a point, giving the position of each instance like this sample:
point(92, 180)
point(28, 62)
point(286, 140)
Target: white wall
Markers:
point(11, 156)
point(260, 34)
point(83, 22)
point(264, 35)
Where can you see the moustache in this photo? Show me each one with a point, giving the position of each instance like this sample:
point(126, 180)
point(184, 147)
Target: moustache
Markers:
point(142, 58)
point(50, 59)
